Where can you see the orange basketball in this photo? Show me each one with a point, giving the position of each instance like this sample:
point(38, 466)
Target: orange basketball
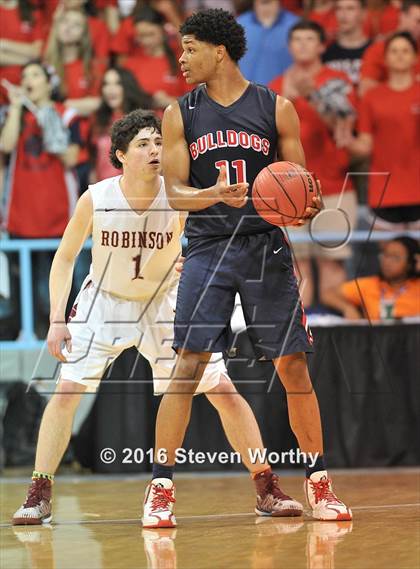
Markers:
point(282, 191)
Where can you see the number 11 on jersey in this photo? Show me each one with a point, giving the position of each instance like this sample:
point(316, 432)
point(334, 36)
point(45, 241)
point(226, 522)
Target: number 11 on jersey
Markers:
point(238, 165)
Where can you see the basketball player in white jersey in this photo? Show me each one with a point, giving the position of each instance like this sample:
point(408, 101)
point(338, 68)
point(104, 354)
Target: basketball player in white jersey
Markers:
point(128, 299)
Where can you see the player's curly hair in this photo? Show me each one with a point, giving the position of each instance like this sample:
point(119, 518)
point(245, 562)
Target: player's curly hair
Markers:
point(124, 130)
point(218, 27)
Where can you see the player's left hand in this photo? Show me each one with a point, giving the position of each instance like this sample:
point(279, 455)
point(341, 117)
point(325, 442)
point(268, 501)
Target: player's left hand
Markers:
point(179, 265)
point(313, 209)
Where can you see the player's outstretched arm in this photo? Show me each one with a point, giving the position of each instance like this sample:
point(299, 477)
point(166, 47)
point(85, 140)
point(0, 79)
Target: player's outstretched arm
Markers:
point(289, 146)
point(77, 231)
point(176, 170)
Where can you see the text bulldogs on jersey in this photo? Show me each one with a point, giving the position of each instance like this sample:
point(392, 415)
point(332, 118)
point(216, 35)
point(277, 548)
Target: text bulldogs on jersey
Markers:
point(221, 139)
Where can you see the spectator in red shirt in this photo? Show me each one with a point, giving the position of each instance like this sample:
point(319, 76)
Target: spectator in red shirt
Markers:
point(155, 64)
point(98, 30)
point(374, 70)
point(42, 190)
point(120, 94)
point(382, 18)
point(37, 164)
point(323, 13)
point(109, 13)
point(20, 40)
point(171, 11)
point(125, 42)
point(389, 133)
point(69, 49)
point(324, 100)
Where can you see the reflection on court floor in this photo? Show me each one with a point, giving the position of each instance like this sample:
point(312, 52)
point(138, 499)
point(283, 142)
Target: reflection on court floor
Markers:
point(96, 526)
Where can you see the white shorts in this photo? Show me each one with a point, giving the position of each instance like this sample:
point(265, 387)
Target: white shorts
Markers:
point(102, 326)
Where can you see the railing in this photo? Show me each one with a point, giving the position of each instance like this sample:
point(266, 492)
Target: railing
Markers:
point(27, 339)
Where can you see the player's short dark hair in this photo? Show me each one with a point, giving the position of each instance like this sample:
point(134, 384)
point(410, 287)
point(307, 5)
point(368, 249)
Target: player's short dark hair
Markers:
point(308, 25)
point(124, 130)
point(407, 4)
point(404, 35)
point(218, 27)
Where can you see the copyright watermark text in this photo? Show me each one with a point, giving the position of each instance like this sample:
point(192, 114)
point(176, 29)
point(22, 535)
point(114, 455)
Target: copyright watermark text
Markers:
point(191, 456)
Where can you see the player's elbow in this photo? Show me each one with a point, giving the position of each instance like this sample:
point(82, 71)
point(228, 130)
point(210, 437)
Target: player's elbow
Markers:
point(175, 203)
point(174, 200)
point(63, 258)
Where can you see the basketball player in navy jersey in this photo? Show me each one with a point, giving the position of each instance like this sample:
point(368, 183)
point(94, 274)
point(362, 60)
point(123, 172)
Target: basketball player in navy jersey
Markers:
point(215, 141)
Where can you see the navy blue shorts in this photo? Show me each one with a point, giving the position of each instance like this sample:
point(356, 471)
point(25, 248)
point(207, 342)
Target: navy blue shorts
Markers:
point(259, 267)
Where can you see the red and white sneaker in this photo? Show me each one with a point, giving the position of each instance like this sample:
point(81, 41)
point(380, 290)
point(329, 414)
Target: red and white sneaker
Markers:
point(321, 499)
point(159, 503)
point(271, 500)
point(37, 507)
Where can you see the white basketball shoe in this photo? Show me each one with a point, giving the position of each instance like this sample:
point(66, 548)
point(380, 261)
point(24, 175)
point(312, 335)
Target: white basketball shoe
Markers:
point(159, 503)
point(321, 499)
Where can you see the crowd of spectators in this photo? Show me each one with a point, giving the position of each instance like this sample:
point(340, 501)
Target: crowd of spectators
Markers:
point(69, 68)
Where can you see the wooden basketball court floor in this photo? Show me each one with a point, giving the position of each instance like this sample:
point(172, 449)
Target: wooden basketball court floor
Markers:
point(96, 526)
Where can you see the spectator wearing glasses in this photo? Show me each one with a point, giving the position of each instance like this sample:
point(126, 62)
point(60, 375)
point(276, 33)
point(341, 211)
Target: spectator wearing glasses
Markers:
point(393, 293)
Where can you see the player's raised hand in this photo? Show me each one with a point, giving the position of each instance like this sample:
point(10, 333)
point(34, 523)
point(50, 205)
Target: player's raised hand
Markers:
point(58, 335)
point(234, 195)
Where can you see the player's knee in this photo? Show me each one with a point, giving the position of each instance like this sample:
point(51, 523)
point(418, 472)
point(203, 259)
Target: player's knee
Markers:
point(224, 396)
point(190, 366)
point(293, 373)
point(226, 402)
point(182, 386)
point(68, 395)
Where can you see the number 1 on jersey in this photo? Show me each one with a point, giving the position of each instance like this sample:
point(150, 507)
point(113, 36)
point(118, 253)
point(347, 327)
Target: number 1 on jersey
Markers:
point(238, 165)
point(137, 261)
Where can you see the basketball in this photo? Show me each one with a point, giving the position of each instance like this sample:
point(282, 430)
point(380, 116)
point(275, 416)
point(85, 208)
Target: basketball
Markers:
point(282, 191)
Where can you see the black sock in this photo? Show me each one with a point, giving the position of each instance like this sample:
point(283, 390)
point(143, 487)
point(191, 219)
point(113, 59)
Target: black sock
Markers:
point(319, 465)
point(162, 471)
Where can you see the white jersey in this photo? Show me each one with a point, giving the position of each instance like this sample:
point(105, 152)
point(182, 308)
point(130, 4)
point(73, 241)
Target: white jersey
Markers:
point(133, 253)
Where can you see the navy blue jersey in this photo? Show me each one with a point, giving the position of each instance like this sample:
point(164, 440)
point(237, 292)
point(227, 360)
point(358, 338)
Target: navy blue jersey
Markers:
point(243, 137)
